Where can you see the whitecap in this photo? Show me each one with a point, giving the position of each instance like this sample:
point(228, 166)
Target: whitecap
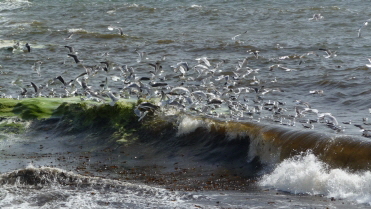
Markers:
point(306, 174)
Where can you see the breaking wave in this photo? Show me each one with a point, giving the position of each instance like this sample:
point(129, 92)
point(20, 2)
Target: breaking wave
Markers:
point(306, 174)
point(336, 166)
point(53, 188)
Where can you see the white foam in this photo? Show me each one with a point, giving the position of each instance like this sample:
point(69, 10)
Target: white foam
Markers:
point(94, 193)
point(75, 30)
point(306, 174)
point(188, 125)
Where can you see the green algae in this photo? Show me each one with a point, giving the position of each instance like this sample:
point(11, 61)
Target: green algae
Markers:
point(12, 128)
point(72, 116)
point(84, 116)
point(6, 107)
point(118, 121)
point(32, 108)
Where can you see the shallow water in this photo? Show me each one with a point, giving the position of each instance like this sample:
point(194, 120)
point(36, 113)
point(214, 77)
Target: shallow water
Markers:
point(183, 31)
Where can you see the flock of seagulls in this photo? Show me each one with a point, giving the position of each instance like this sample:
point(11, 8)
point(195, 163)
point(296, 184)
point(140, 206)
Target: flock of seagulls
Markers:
point(203, 87)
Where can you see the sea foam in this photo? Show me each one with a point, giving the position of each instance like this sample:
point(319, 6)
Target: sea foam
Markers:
point(188, 125)
point(306, 174)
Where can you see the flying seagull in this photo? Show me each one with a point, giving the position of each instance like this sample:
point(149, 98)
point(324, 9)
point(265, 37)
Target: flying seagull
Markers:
point(75, 58)
point(113, 98)
point(37, 89)
point(60, 78)
point(363, 25)
point(117, 28)
point(234, 37)
point(70, 49)
point(328, 52)
point(69, 36)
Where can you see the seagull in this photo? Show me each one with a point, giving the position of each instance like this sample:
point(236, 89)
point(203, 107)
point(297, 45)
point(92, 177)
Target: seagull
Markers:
point(365, 133)
point(214, 101)
point(84, 85)
point(147, 106)
point(204, 60)
point(301, 110)
point(308, 125)
point(316, 17)
point(106, 67)
point(36, 67)
point(140, 114)
point(37, 89)
point(320, 92)
point(328, 52)
point(75, 58)
point(157, 67)
point(70, 49)
point(24, 91)
point(94, 95)
point(182, 67)
point(234, 37)
point(117, 28)
point(113, 98)
point(179, 91)
point(62, 80)
point(299, 102)
point(285, 68)
point(363, 25)
point(369, 65)
point(144, 108)
point(142, 56)
point(256, 53)
point(69, 36)
point(330, 119)
point(242, 64)
point(157, 84)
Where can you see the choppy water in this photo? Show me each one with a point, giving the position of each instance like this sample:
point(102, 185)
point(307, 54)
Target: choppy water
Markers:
point(285, 37)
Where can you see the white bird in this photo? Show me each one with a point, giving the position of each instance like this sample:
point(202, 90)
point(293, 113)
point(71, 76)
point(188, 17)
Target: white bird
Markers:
point(36, 67)
point(142, 56)
point(180, 90)
point(140, 113)
point(69, 36)
point(37, 90)
point(316, 17)
point(200, 95)
point(308, 125)
point(204, 60)
point(330, 118)
point(286, 68)
point(363, 25)
point(365, 133)
point(328, 52)
point(320, 92)
point(369, 65)
point(242, 64)
point(234, 37)
point(117, 28)
point(182, 67)
point(255, 52)
point(113, 98)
